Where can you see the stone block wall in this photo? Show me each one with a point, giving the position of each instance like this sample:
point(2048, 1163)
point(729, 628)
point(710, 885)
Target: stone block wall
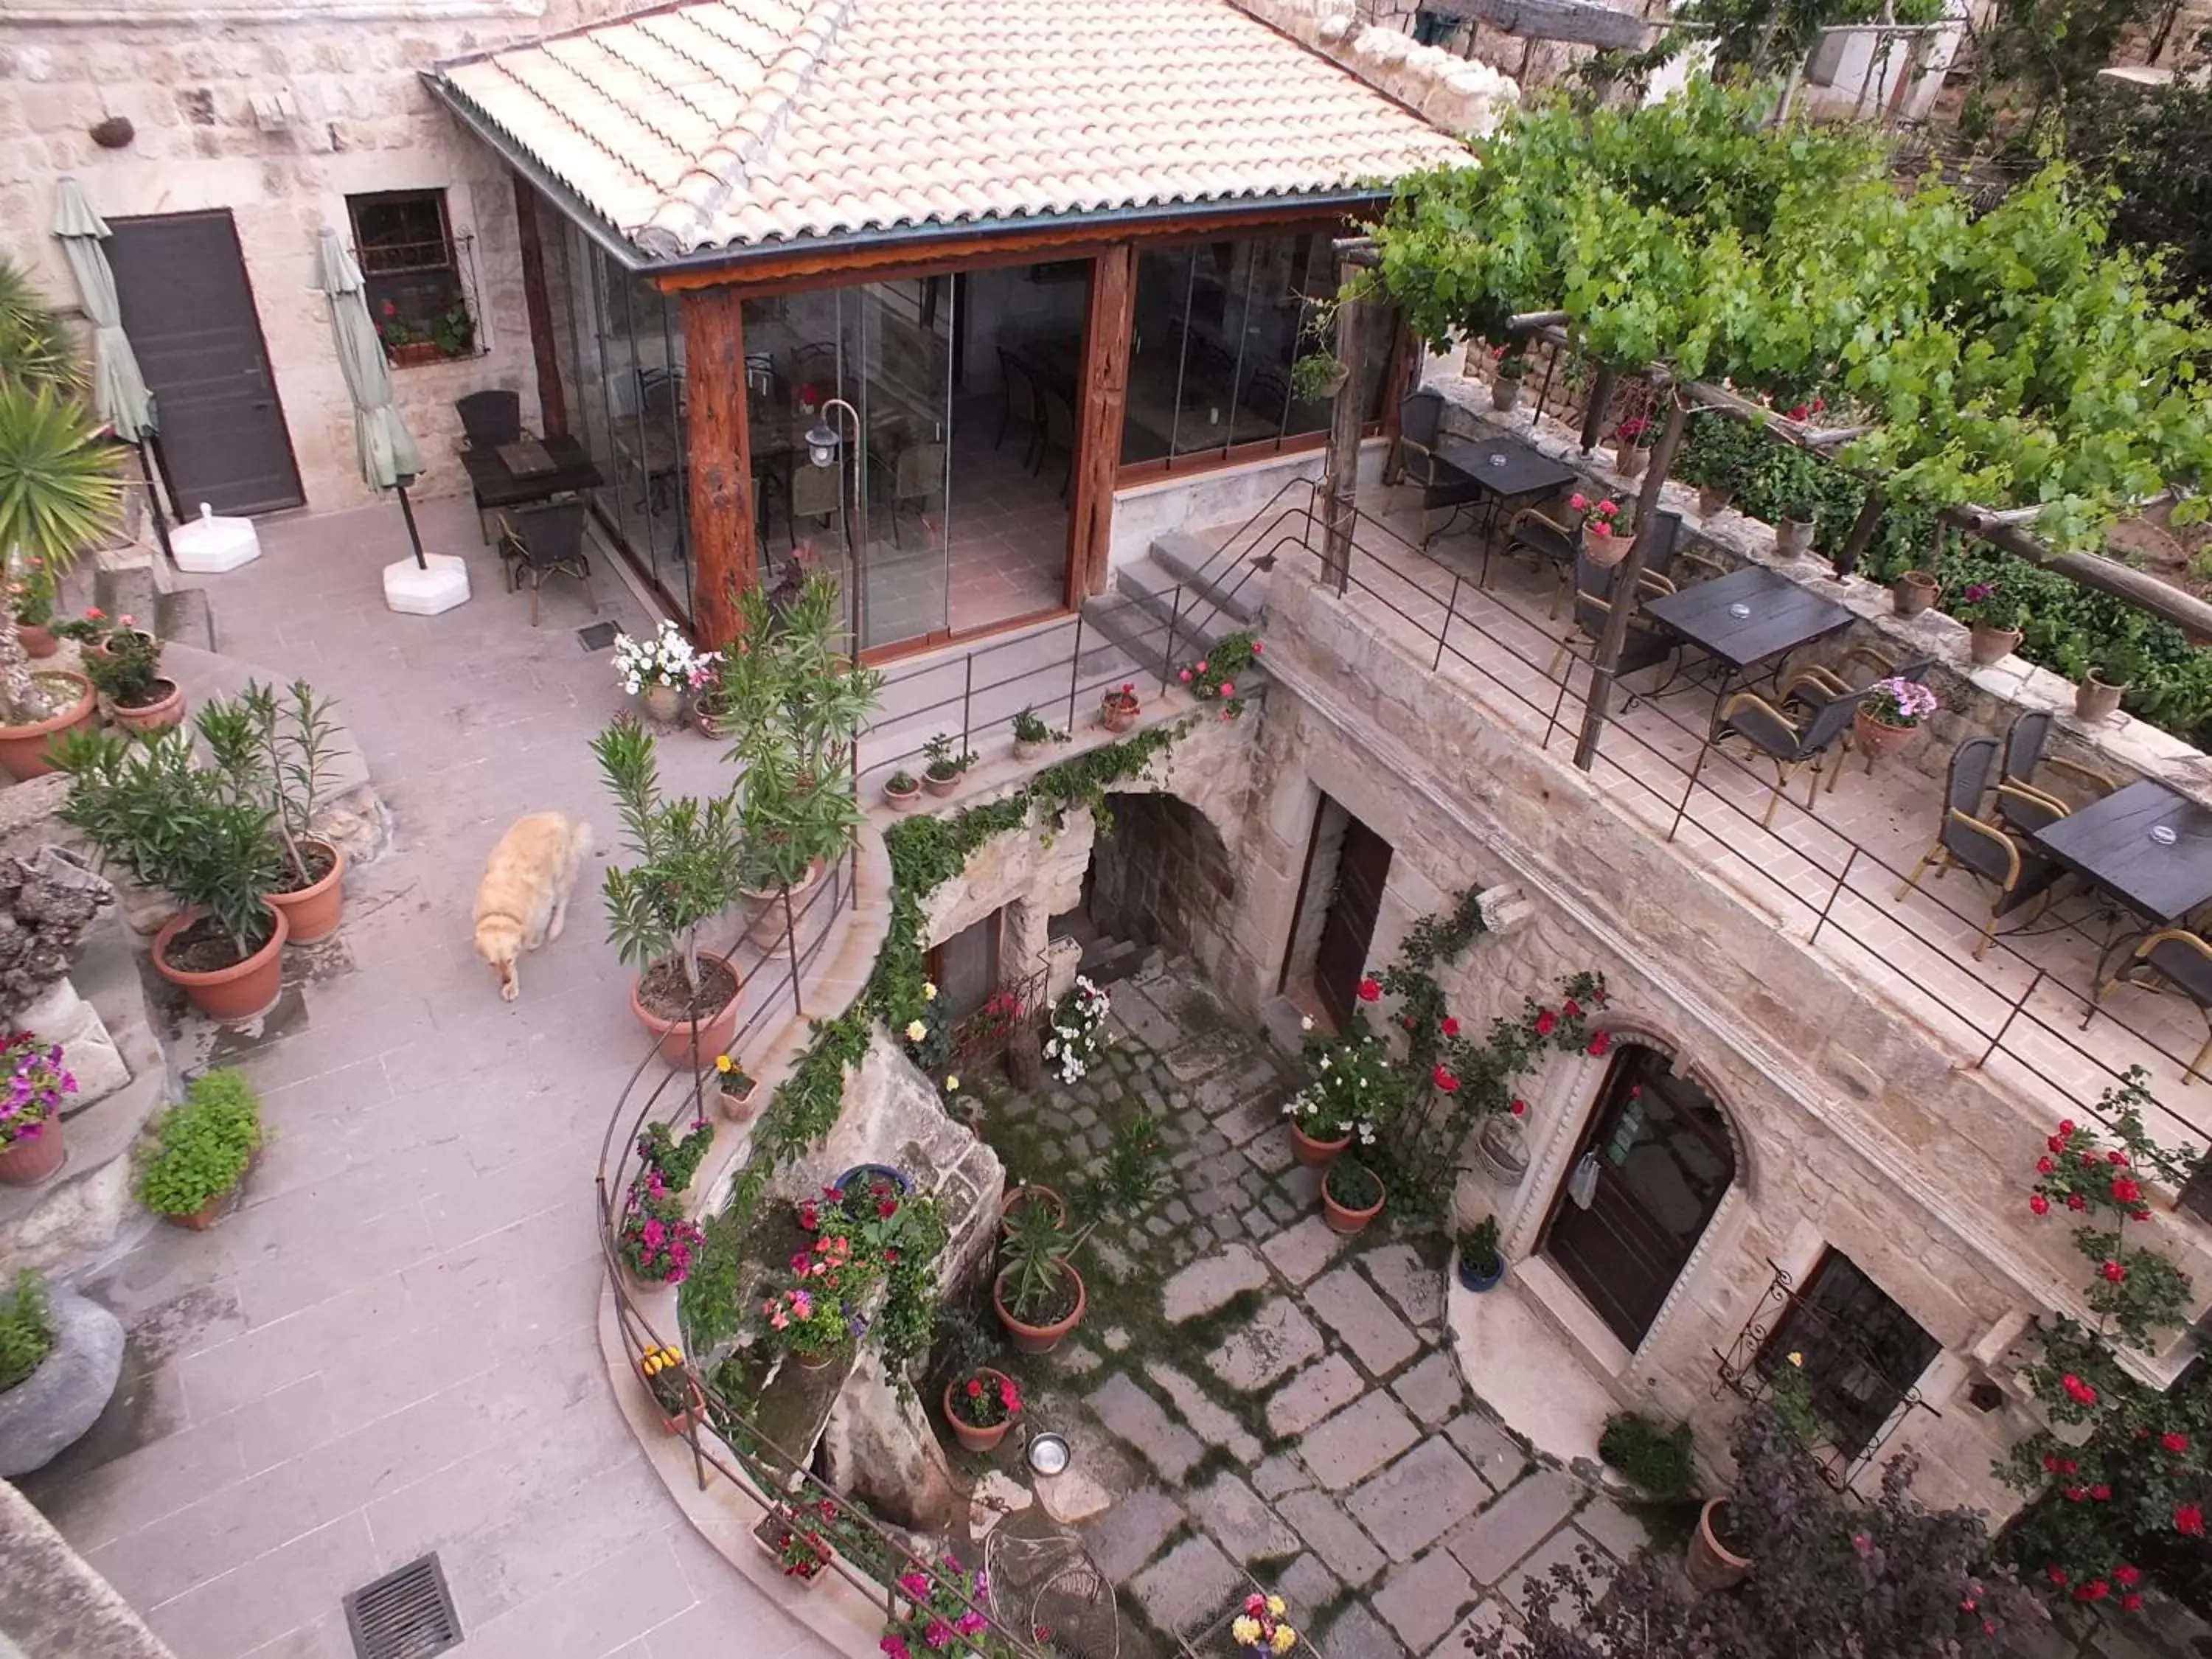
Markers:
point(1162, 877)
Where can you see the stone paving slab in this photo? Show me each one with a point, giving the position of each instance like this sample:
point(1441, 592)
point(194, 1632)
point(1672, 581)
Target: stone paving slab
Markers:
point(1433, 1389)
point(1489, 1617)
point(1335, 1536)
point(1363, 1321)
point(1242, 1522)
point(1302, 1251)
point(1274, 1341)
point(1211, 1283)
point(1421, 1599)
point(1356, 1633)
point(1208, 1421)
point(1492, 1453)
point(1418, 1499)
point(1312, 1394)
point(1357, 1441)
point(1124, 1407)
point(1522, 1517)
point(1131, 1530)
point(1409, 1281)
point(1566, 1547)
point(1187, 1586)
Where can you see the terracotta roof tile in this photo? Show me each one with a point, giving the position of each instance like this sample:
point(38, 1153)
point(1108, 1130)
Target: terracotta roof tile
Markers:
point(734, 123)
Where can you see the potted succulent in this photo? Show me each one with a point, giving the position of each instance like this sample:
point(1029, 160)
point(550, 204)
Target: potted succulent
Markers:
point(738, 1092)
point(31, 1148)
point(676, 1393)
point(148, 807)
point(1482, 1264)
point(657, 672)
point(1031, 734)
point(795, 1543)
point(941, 777)
point(1793, 531)
point(1603, 538)
point(2117, 664)
point(1992, 615)
point(1509, 363)
point(981, 1406)
point(902, 791)
point(1914, 592)
point(1891, 713)
point(1352, 1196)
point(203, 1150)
point(686, 873)
point(1631, 444)
point(278, 754)
point(1118, 708)
point(128, 673)
point(1038, 1295)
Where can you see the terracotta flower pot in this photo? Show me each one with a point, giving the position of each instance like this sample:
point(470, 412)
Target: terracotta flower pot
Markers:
point(23, 749)
point(1038, 1339)
point(766, 927)
point(738, 1104)
point(675, 1037)
point(1603, 547)
point(1035, 1192)
point(1712, 499)
point(768, 1534)
point(709, 722)
point(27, 1163)
point(1628, 460)
point(159, 715)
point(940, 786)
point(2097, 699)
point(1117, 713)
point(1793, 537)
point(903, 801)
point(1315, 1153)
point(218, 1205)
point(1986, 645)
point(682, 1421)
point(37, 641)
point(241, 991)
point(1712, 1565)
point(663, 703)
point(1341, 1218)
point(970, 1438)
point(1914, 592)
point(1504, 392)
point(1878, 737)
point(1024, 749)
point(314, 911)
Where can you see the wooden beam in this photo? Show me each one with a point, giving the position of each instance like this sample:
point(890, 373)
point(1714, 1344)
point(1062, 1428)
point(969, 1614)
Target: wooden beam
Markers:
point(1401, 375)
point(1106, 337)
point(724, 539)
point(2093, 570)
point(1580, 21)
point(552, 402)
point(1627, 575)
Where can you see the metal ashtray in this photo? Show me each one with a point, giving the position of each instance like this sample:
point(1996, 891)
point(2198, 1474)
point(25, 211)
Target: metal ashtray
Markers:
point(1497, 458)
point(1049, 1455)
point(1739, 611)
point(2163, 835)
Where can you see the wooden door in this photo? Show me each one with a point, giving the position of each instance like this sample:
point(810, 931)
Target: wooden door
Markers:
point(188, 306)
point(965, 968)
point(1362, 870)
point(1660, 1151)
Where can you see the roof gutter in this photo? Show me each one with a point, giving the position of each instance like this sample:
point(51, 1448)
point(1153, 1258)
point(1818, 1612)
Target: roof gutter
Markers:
point(630, 257)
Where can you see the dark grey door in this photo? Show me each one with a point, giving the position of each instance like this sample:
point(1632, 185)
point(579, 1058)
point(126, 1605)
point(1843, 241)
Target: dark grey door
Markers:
point(188, 307)
point(1362, 871)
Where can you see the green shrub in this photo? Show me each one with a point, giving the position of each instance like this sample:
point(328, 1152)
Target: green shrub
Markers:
point(202, 1146)
point(1655, 1455)
point(26, 1337)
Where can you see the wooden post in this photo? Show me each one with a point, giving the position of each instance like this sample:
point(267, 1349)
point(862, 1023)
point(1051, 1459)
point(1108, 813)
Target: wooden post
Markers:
point(1600, 399)
point(724, 539)
point(1340, 476)
point(552, 404)
point(1862, 529)
point(1401, 377)
point(1629, 573)
point(1104, 399)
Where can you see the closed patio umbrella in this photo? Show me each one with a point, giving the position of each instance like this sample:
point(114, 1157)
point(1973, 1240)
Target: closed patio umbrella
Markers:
point(119, 391)
point(389, 458)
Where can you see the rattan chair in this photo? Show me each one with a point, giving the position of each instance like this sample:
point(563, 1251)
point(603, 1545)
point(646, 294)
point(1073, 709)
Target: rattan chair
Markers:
point(1792, 745)
point(913, 474)
point(538, 542)
point(1544, 541)
point(1645, 642)
point(489, 419)
point(2026, 763)
point(2176, 960)
point(1967, 840)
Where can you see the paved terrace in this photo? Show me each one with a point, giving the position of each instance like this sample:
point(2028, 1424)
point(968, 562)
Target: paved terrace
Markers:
point(1829, 876)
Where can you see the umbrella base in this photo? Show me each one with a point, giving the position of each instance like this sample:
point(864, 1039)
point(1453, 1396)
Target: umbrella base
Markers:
point(414, 591)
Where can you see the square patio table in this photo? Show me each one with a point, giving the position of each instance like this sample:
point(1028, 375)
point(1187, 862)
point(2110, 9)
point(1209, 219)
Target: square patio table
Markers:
point(1777, 617)
point(2111, 845)
point(1492, 473)
point(496, 483)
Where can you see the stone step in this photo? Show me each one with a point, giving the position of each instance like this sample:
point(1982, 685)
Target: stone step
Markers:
point(1235, 586)
point(1136, 640)
point(1193, 615)
point(1282, 1020)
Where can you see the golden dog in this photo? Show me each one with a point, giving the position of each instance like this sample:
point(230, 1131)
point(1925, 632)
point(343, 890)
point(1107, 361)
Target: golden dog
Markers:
point(523, 900)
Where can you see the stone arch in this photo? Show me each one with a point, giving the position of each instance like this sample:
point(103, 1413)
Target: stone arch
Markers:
point(1163, 876)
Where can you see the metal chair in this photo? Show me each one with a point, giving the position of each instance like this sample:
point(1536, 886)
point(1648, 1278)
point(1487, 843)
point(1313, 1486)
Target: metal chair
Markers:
point(1983, 849)
point(2172, 960)
point(1020, 406)
point(1645, 642)
point(2025, 759)
point(1790, 744)
point(915, 472)
point(489, 419)
point(1058, 434)
point(1530, 535)
point(1267, 394)
point(814, 366)
point(538, 542)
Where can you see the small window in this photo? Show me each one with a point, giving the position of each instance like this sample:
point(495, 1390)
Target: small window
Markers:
point(413, 268)
point(1861, 1353)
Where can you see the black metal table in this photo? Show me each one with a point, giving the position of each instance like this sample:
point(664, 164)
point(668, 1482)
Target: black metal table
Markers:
point(510, 475)
point(2113, 846)
point(1490, 475)
point(1745, 617)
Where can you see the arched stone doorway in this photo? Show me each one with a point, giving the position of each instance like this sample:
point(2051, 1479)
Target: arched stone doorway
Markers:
point(1162, 877)
point(1655, 1161)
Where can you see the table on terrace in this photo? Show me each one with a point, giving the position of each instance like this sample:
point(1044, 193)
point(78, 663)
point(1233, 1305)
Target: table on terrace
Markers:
point(532, 470)
point(2146, 846)
point(1493, 474)
point(1748, 617)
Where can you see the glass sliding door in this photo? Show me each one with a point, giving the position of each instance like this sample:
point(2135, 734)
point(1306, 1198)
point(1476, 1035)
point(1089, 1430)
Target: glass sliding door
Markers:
point(897, 337)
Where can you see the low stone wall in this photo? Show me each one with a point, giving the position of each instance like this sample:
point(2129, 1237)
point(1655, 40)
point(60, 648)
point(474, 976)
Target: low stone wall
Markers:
point(1454, 93)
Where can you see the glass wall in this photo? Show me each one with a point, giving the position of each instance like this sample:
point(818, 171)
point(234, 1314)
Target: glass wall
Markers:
point(1219, 326)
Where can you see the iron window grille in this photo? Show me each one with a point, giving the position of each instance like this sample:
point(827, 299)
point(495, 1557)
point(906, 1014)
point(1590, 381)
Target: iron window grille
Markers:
point(1862, 1356)
point(421, 278)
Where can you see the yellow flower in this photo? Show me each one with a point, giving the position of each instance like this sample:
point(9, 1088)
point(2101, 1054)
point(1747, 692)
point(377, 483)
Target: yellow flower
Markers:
point(1246, 1630)
point(951, 1084)
point(675, 1356)
point(1285, 1638)
point(1797, 1359)
point(915, 1030)
point(928, 992)
point(1275, 1606)
point(723, 1063)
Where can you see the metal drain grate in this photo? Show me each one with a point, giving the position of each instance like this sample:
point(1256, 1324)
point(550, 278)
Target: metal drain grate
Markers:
point(597, 637)
point(406, 1614)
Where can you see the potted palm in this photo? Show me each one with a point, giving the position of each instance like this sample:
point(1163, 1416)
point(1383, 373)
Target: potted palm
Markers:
point(688, 862)
point(1038, 1295)
point(278, 754)
point(202, 1149)
point(147, 807)
point(941, 777)
point(128, 674)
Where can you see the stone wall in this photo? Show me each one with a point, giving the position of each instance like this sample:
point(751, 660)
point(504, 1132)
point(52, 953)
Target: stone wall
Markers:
point(1162, 877)
point(1458, 95)
point(360, 120)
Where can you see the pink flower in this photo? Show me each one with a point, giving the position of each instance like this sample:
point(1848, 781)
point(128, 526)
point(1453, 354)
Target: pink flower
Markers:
point(969, 1623)
point(1579, 502)
point(1520, 1108)
point(938, 1635)
point(915, 1584)
point(2078, 1391)
point(1600, 1043)
point(1202, 668)
point(1185, 676)
point(1546, 1023)
point(1257, 648)
point(2113, 1272)
point(1228, 688)
point(1444, 1080)
point(2172, 1442)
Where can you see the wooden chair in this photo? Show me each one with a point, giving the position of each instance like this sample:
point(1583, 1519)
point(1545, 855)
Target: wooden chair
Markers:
point(1646, 644)
point(1986, 850)
point(2175, 960)
point(1792, 745)
point(538, 542)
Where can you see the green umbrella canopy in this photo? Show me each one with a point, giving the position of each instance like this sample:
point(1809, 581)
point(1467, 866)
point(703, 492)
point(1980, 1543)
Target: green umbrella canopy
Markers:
point(388, 455)
point(119, 391)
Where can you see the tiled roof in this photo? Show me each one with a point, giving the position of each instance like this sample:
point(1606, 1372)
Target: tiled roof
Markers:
point(736, 123)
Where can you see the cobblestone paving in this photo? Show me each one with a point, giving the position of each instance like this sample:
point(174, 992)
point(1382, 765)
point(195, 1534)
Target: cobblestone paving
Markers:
point(1275, 1404)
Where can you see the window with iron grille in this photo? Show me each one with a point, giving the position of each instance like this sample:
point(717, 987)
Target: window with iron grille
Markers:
point(413, 268)
point(1860, 1352)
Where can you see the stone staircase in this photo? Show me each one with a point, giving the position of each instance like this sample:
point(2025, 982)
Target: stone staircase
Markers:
point(1167, 607)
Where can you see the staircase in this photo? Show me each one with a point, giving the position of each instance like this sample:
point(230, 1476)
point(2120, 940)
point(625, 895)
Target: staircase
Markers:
point(1167, 608)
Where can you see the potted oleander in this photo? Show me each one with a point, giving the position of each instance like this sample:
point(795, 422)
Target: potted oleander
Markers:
point(202, 1149)
point(147, 806)
point(278, 753)
point(1037, 1294)
point(687, 868)
point(941, 776)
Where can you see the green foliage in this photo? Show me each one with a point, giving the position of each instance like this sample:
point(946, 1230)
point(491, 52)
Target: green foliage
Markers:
point(676, 1160)
point(128, 673)
point(35, 349)
point(944, 764)
point(1349, 1181)
point(1029, 726)
point(908, 1317)
point(1033, 1260)
point(276, 752)
point(61, 489)
point(202, 1145)
point(2148, 144)
point(1478, 1247)
point(1655, 1455)
point(2010, 359)
point(688, 866)
point(150, 807)
point(26, 1334)
point(1131, 1177)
